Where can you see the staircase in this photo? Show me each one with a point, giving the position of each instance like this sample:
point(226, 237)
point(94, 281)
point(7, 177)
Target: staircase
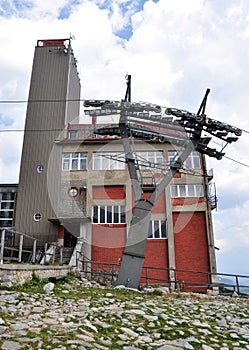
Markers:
point(66, 255)
point(56, 254)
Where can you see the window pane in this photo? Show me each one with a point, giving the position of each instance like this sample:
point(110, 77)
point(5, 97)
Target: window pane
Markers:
point(109, 214)
point(163, 229)
point(191, 190)
point(120, 164)
point(196, 160)
point(8, 196)
point(83, 164)
point(159, 157)
point(199, 191)
point(113, 164)
point(188, 162)
point(116, 214)
point(65, 164)
point(6, 223)
point(171, 155)
point(102, 215)
point(7, 205)
point(156, 229)
point(6, 214)
point(174, 192)
point(150, 230)
point(151, 157)
point(182, 191)
point(96, 161)
point(73, 134)
point(123, 215)
point(105, 162)
point(66, 155)
point(95, 214)
point(75, 164)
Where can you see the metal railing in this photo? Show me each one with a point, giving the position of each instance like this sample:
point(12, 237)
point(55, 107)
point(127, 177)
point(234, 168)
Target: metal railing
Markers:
point(13, 247)
point(14, 242)
point(183, 280)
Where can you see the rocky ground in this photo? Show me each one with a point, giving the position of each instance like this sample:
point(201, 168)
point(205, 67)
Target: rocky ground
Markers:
point(77, 314)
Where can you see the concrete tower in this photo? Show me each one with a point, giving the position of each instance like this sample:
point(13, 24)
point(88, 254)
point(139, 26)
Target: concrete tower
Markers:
point(53, 103)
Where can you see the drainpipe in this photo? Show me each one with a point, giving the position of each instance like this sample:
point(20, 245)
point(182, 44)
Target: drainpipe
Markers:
point(209, 226)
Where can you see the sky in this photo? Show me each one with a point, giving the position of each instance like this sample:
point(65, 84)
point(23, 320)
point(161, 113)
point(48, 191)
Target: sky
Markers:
point(174, 50)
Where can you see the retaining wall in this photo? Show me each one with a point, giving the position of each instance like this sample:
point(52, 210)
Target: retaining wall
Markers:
point(19, 274)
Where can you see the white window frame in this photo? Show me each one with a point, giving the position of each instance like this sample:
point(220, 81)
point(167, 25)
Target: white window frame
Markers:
point(161, 233)
point(192, 162)
point(113, 214)
point(104, 161)
point(69, 161)
point(190, 190)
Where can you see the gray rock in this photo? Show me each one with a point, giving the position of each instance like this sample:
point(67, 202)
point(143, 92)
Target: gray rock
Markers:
point(19, 326)
point(129, 332)
point(137, 312)
point(141, 330)
point(49, 287)
point(206, 347)
point(11, 345)
point(169, 347)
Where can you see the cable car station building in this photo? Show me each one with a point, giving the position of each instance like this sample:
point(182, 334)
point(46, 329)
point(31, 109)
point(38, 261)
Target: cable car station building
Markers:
point(75, 189)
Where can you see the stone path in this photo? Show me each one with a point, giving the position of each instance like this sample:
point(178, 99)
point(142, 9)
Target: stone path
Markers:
point(81, 315)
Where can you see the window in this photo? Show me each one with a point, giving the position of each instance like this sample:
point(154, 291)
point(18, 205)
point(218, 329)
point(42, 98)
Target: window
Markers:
point(7, 205)
point(108, 161)
point(37, 216)
point(150, 158)
point(109, 214)
point(187, 190)
point(73, 134)
point(157, 229)
point(73, 191)
point(74, 161)
point(193, 160)
point(116, 161)
point(40, 169)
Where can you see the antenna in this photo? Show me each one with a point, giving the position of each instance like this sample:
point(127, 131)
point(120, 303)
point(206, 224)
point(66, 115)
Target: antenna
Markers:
point(128, 90)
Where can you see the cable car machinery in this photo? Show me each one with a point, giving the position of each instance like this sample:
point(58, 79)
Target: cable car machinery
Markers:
point(175, 126)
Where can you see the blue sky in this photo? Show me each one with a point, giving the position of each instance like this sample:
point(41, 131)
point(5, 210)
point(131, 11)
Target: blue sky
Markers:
point(174, 50)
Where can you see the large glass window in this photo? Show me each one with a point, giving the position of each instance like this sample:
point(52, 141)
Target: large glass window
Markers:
point(108, 161)
point(74, 161)
point(195, 190)
point(193, 160)
point(116, 161)
point(109, 214)
point(157, 229)
point(150, 159)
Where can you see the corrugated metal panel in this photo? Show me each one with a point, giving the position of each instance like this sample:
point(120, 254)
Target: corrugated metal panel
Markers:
point(45, 120)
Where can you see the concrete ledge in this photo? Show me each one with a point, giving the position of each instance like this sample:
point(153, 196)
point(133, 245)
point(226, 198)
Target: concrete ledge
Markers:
point(19, 273)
